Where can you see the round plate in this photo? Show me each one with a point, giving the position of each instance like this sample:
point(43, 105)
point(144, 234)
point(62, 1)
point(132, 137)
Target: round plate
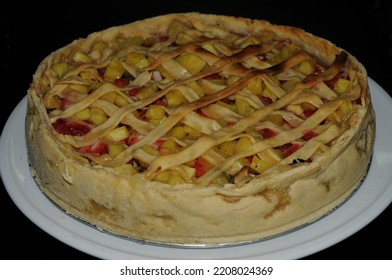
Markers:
point(373, 196)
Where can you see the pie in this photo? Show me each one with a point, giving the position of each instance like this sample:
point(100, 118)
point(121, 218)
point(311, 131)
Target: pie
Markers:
point(198, 129)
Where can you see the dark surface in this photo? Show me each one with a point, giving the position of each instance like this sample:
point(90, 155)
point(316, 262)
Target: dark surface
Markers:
point(29, 33)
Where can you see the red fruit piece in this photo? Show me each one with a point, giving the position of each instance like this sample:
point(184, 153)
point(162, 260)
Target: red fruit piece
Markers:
point(121, 82)
point(267, 132)
point(98, 148)
point(309, 112)
point(133, 92)
point(200, 166)
point(71, 127)
point(65, 103)
point(214, 76)
point(265, 100)
point(309, 135)
point(289, 148)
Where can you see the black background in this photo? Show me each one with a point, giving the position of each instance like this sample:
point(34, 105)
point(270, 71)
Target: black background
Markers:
point(31, 30)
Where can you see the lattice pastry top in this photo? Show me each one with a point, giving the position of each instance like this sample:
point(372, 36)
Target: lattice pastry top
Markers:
point(200, 103)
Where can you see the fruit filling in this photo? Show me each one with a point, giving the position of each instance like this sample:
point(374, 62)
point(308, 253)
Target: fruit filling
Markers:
point(199, 104)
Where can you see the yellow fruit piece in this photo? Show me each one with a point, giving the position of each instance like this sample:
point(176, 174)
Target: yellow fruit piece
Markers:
point(114, 149)
point(61, 68)
point(110, 96)
point(262, 161)
point(170, 144)
point(175, 98)
point(220, 82)
point(150, 150)
point(243, 107)
point(346, 107)
point(186, 172)
point(226, 149)
point(117, 134)
point(175, 179)
point(341, 86)
point(81, 88)
point(222, 122)
point(268, 93)
point(232, 79)
point(137, 59)
point(178, 132)
point(82, 58)
point(97, 116)
point(228, 106)
point(220, 180)
point(164, 73)
point(126, 169)
point(275, 118)
point(163, 176)
point(100, 46)
point(114, 70)
point(183, 39)
point(147, 91)
point(87, 75)
point(287, 51)
point(83, 115)
point(120, 101)
point(196, 88)
point(155, 112)
point(289, 85)
point(255, 86)
point(296, 109)
point(242, 144)
point(191, 62)
point(274, 79)
point(154, 122)
point(306, 67)
point(191, 132)
point(52, 103)
point(209, 47)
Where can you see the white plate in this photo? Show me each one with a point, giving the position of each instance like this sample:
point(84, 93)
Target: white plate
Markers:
point(374, 195)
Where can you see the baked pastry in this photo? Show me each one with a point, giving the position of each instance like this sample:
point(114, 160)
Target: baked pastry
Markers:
point(199, 129)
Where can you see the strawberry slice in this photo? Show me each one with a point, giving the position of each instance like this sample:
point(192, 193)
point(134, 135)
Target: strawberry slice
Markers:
point(200, 166)
point(265, 100)
point(214, 76)
point(134, 139)
point(133, 91)
point(160, 102)
point(98, 148)
point(158, 144)
point(121, 82)
point(267, 132)
point(309, 135)
point(289, 148)
point(71, 127)
point(65, 103)
point(309, 112)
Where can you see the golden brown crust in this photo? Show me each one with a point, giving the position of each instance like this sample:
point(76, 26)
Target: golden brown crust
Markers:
point(279, 200)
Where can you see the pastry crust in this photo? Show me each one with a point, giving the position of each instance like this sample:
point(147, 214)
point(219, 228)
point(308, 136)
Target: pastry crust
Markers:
point(280, 199)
